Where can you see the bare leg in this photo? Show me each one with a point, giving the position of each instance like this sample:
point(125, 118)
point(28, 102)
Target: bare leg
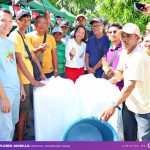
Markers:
point(23, 120)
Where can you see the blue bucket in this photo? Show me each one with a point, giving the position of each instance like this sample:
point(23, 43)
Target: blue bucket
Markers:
point(90, 129)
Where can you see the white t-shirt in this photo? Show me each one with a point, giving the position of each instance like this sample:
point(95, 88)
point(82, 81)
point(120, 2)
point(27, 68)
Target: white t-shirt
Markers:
point(78, 60)
point(136, 66)
point(66, 39)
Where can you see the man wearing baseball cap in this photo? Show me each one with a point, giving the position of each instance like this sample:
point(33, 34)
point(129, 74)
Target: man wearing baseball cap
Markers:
point(96, 48)
point(25, 68)
point(60, 47)
point(64, 26)
point(134, 67)
point(81, 20)
point(22, 13)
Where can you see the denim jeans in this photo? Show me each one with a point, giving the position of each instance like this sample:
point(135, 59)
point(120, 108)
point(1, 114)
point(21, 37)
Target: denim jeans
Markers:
point(63, 75)
point(143, 122)
point(135, 126)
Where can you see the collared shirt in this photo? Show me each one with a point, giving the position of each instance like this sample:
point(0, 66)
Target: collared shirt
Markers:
point(136, 67)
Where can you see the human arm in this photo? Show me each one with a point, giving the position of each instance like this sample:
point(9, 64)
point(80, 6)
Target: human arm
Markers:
point(41, 47)
point(47, 16)
point(70, 51)
point(125, 92)
point(89, 69)
point(108, 70)
point(147, 11)
point(98, 65)
point(22, 92)
point(55, 61)
point(4, 100)
point(25, 71)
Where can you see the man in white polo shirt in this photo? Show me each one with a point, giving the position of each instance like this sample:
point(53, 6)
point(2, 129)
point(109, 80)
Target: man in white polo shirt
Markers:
point(134, 66)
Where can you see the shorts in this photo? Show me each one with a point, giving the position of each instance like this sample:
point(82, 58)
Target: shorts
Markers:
point(25, 106)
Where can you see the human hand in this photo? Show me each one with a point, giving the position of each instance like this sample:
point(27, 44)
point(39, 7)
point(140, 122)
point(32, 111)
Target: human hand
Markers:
point(90, 70)
point(105, 63)
point(37, 83)
point(22, 94)
point(42, 47)
point(147, 10)
point(42, 76)
point(5, 104)
point(72, 53)
point(105, 116)
point(55, 74)
point(47, 16)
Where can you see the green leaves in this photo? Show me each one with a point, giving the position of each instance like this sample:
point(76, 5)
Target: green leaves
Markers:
point(75, 6)
point(121, 11)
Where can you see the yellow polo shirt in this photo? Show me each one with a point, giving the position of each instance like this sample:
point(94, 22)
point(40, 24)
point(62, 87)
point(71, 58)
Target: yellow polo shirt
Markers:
point(36, 40)
point(19, 47)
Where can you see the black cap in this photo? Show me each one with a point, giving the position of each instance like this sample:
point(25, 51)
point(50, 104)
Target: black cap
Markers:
point(57, 16)
point(21, 13)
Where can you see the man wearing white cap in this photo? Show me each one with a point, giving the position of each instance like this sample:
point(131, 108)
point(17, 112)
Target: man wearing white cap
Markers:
point(134, 66)
point(64, 25)
point(81, 20)
point(60, 47)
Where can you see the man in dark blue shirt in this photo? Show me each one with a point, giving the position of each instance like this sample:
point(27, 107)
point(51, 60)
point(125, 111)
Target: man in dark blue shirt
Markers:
point(96, 48)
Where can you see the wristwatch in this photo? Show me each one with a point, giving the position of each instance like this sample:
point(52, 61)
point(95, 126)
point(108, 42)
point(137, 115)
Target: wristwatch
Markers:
point(115, 105)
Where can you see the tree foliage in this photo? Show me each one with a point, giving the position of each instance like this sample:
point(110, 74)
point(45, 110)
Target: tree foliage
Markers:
point(75, 6)
point(121, 11)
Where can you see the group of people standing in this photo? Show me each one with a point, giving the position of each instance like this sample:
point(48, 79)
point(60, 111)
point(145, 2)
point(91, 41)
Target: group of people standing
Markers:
point(115, 53)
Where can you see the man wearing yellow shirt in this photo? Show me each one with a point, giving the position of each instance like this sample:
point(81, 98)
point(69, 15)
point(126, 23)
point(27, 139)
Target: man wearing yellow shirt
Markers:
point(25, 68)
point(47, 54)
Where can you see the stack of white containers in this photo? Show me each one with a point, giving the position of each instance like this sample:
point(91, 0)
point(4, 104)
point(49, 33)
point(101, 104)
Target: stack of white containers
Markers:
point(61, 102)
